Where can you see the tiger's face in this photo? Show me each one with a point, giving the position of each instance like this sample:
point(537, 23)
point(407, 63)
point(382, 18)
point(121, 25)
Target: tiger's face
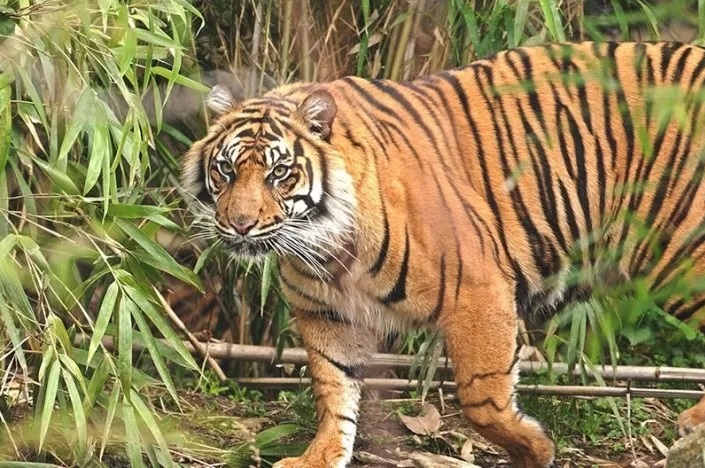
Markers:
point(266, 178)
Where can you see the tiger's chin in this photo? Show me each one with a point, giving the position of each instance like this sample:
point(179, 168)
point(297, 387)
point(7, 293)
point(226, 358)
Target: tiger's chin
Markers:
point(247, 250)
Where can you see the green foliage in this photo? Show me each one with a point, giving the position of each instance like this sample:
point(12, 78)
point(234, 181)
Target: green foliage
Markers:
point(82, 89)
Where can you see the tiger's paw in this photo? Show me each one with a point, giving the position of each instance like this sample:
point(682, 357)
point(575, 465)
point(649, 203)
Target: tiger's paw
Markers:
point(307, 462)
point(688, 421)
point(690, 418)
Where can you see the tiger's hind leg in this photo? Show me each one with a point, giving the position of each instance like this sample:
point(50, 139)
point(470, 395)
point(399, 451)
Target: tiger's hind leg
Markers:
point(481, 339)
point(691, 309)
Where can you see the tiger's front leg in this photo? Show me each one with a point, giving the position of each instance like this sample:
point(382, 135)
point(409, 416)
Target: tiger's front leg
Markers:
point(338, 353)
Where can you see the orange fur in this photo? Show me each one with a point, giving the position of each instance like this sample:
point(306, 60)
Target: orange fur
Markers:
point(461, 200)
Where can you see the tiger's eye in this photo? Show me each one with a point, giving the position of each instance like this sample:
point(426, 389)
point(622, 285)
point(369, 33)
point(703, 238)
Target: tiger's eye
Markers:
point(225, 168)
point(280, 171)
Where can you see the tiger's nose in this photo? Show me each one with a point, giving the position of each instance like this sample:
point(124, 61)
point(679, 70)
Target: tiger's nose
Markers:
point(242, 225)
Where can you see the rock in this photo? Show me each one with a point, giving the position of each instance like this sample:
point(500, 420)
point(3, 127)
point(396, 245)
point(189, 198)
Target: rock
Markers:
point(688, 451)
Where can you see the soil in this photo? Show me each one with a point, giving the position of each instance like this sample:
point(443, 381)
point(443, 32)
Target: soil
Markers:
point(382, 434)
point(221, 424)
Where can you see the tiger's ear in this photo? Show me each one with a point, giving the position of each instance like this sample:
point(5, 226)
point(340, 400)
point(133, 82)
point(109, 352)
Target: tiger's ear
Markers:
point(318, 111)
point(220, 100)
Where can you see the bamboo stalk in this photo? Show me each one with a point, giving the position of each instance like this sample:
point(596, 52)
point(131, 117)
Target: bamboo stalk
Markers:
point(266, 354)
point(557, 390)
point(404, 36)
point(285, 40)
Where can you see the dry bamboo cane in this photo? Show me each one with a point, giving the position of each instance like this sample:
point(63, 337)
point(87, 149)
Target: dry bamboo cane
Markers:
point(298, 356)
point(557, 390)
point(252, 353)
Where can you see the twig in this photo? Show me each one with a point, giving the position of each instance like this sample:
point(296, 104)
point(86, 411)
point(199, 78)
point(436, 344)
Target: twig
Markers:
point(202, 349)
point(298, 356)
point(238, 352)
point(554, 390)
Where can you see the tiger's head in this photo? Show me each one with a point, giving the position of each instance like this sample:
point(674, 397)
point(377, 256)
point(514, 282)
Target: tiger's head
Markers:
point(266, 177)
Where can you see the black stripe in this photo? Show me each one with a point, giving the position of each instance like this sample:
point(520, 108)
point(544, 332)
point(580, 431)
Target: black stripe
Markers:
point(441, 293)
point(388, 112)
point(398, 292)
point(300, 292)
point(462, 97)
point(352, 372)
point(342, 417)
point(384, 248)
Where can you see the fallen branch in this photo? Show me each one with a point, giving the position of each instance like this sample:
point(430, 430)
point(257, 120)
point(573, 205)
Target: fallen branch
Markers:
point(237, 352)
point(203, 349)
point(557, 390)
point(266, 354)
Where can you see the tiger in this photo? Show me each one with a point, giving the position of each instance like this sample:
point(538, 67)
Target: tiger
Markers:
point(463, 201)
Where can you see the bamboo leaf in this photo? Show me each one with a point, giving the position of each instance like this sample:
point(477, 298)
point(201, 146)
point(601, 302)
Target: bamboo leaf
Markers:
point(143, 302)
point(267, 274)
point(96, 386)
point(51, 386)
point(275, 433)
point(104, 314)
point(79, 118)
point(157, 256)
point(100, 151)
point(180, 79)
point(112, 409)
point(125, 345)
point(78, 414)
point(549, 8)
point(132, 434)
point(153, 350)
point(5, 125)
point(10, 327)
point(147, 416)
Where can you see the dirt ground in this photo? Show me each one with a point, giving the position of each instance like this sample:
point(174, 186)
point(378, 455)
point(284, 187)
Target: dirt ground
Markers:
point(384, 440)
point(211, 427)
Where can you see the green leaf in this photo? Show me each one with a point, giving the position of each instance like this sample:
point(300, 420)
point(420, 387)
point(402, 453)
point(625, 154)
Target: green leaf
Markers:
point(125, 345)
point(112, 408)
point(522, 11)
point(275, 433)
point(203, 258)
point(180, 79)
point(268, 271)
point(153, 350)
point(549, 8)
point(51, 385)
point(96, 386)
point(78, 414)
point(143, 302)
point(157, 256)
point(150, 212)
point(147, 416)
point(106, 311)
point(132, 431)
point(100, 150)
point(84, 109)
point(9, 325)
point(63, 182)
point(5, 125)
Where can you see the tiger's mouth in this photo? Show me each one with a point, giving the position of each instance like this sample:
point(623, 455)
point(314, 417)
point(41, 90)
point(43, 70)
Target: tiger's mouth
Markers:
point(253, 247)
point(247, 248)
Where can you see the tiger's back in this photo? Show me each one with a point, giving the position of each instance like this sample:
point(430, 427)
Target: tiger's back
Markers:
point(543, 160)
point(460, 200)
